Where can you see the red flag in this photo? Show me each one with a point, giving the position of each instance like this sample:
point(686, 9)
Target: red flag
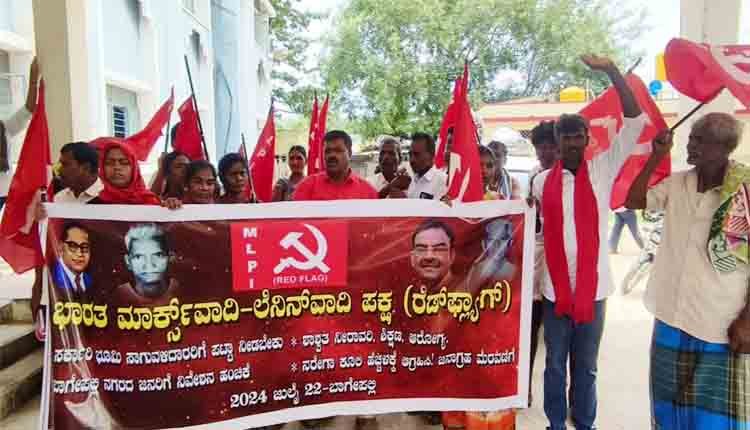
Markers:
point(143, 141)
point(188, 137)
point(465, 183)
point(316, 151)
point(312, 138)
point(701, 71)
point(605, 118)
point(449, 120)
point(263, 161)
point(19, 233)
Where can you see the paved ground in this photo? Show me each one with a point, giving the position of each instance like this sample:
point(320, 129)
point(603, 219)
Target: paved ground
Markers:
point(623, 364)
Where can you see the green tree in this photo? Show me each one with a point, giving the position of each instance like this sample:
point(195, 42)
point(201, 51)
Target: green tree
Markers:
point(392, 63)
point(289, 45)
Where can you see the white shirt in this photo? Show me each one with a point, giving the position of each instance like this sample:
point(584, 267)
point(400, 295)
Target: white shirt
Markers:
point(684, 289)
point(72, 276)
point(603, 170)
point(67, 195)
point(377, 181)
point(432, 185)
point(13, 126)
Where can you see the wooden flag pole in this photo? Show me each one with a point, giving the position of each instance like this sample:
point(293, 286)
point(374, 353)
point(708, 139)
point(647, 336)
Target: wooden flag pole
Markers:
point(244, 148)
point(686, 117)
point(195, 106)
point(169, 132)
point(637, 63)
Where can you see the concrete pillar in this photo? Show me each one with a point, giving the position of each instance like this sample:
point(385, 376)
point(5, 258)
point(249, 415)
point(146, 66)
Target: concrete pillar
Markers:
point(60, 35)
point(717, 23)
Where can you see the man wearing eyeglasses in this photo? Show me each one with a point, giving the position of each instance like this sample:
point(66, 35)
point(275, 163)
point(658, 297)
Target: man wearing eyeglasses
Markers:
point(432, 254)
point(69, 273)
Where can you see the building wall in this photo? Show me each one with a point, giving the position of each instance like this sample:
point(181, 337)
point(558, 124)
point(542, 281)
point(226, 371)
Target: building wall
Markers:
point(226, 14)
point(135, 52)
point(6, 12)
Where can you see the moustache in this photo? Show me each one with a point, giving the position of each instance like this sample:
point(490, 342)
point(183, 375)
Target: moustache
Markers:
point(430, 263)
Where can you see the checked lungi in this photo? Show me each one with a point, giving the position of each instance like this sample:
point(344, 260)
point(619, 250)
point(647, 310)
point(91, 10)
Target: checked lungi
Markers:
point(697, 385)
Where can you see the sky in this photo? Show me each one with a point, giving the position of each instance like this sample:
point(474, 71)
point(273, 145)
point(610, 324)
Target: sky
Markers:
point(662, 23)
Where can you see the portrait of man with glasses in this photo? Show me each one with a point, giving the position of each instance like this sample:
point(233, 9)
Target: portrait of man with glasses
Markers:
point(74, 251)
point(432, 254)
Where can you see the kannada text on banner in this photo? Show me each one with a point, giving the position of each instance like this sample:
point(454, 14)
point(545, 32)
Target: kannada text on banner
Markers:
point(257, 321)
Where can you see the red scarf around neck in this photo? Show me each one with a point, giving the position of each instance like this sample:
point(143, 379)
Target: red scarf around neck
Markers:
point(579, 305)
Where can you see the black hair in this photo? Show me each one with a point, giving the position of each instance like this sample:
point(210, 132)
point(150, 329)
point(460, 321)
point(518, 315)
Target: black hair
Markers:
point(428, 140)
point(570, 123)
point(166, 167)
point(498, 143)
point(169, 159)
point(543, 133)
point(486, 152)
point(83, 153)
point(70, 226)
point(431, 224)
point(226, 163)
point(298, 148)
point(196, 166)
point(338, 134)
point(391, 141)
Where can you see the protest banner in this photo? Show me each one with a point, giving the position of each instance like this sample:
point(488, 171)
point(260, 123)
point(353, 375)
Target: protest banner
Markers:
point(239, 316)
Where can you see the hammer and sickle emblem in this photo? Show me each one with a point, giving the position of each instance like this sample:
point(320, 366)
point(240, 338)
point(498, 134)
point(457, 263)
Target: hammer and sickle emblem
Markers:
point(730, 61)
point(292, 240)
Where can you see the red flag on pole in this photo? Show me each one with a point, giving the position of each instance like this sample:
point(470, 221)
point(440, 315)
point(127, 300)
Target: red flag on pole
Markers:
point(605, 118)
point(312, 137)
point(701, 71)
point(188, 136)
point(19, 233)
point(143, 141)
point(465, 183)
point(449, 120)
point(263, 161)
point(316, 158)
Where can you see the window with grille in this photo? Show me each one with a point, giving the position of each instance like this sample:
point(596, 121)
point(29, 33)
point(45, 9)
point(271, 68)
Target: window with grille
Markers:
point(120, 121)
point(122, 110)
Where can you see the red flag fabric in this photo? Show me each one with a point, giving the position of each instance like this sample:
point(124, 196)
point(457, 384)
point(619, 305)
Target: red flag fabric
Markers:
point(465, 183)
point(143, 141)
point(312, 137)
point(605, 118)
point(19, 233)
point(315, 159)
point(449, 120)
point(701, 71)
point(188, 137)
point(263, 161)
